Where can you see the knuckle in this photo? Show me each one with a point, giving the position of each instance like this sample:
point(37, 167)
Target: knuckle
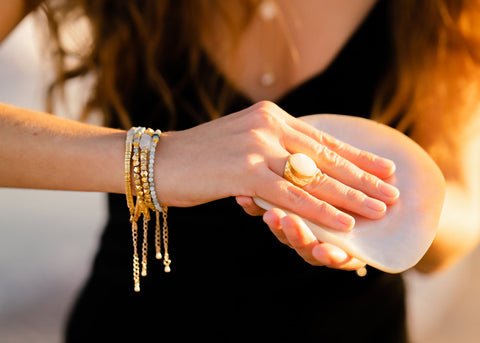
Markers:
point(319, 180)
point(331, 141)
point(265, 114)
point(319, 136)
point(323, 207)
point(329, 157)
point(352, 195)
point(320, 150)
point(364, 155)
point(265, 104)
point(367, 179)
point(296, 197)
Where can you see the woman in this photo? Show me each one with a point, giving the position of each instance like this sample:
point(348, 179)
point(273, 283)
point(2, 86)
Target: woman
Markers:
point(174, 65)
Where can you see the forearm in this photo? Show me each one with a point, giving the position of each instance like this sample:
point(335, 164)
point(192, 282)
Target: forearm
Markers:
point(11, 13)
point(42, 151)
point(458, 230)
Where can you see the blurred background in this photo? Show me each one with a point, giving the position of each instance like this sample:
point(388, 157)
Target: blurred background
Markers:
point(48, 238)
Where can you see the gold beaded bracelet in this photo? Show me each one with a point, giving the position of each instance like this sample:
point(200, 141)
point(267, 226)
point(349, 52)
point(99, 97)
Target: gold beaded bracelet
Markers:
point(140, 145)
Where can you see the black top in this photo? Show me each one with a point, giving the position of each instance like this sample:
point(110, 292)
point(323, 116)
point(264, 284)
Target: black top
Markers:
point(231, 279)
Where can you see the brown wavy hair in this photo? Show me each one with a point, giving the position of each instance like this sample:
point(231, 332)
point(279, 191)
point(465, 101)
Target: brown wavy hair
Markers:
point(432, 90)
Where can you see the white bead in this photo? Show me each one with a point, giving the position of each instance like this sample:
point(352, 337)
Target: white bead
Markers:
point(145, 142)
point(361, 271)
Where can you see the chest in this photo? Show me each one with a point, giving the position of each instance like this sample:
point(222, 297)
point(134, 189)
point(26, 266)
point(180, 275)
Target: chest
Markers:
point(284, 44)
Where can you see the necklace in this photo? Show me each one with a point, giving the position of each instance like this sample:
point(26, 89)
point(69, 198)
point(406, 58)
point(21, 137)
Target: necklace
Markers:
point(268, 11)
point(274, 27)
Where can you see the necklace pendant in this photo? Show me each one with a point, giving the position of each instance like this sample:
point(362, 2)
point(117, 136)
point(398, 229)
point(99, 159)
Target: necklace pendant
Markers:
point(267, 10)
point(267, 79)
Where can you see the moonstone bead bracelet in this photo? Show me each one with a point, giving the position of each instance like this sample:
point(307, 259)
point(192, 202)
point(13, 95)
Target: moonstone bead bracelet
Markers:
point(140, 146)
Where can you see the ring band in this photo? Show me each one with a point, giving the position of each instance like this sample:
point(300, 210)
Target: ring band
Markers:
point(300, 169)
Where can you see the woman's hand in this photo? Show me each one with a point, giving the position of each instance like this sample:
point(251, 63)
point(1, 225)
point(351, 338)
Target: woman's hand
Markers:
point(244, 154)
point(293, 232)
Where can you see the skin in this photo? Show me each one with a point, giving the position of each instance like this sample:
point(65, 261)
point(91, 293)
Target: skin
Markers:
point(254, 144)
point(242, 155)
point(459, 228)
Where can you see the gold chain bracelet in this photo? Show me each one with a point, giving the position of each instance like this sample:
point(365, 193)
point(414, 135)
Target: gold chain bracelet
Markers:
point(140, 147)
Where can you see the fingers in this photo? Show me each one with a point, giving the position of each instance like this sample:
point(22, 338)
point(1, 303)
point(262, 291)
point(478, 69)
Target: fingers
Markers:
point(272, 219)
point(291, 231)
point(290, 197)
point(325, 253)
point(340, 168)
point(341, 196)
point(371, 163)
point(338, 194)
point(249, 206)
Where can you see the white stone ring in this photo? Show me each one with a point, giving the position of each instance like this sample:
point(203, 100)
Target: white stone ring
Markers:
point(300, 169)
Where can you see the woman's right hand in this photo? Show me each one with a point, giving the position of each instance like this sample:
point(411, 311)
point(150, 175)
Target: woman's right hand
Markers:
point(244, 154)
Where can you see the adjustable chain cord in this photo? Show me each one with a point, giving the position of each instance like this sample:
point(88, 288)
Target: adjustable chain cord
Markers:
point(142, 142)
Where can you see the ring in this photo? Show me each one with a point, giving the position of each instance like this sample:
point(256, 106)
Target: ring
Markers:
point(300, 169)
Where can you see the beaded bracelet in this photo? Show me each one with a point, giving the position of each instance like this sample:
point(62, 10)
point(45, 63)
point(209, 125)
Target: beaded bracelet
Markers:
point(140, 146)
point(158, 208)
point(128, 155)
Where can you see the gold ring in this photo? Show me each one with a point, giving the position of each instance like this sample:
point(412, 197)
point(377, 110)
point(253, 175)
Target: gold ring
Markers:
point(300, 169)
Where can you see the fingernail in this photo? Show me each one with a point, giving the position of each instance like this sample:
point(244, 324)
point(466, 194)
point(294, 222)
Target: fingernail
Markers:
point(375, 205)
point(347, 221)
point(388, 190)
point(385, 163)
point(267, 217)
point(337, 256)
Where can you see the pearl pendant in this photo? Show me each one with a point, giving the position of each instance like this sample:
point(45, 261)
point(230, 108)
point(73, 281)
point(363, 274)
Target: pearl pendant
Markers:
point(267, 79)
point(267, 10)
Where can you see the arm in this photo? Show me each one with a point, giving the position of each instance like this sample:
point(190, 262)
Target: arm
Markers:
point(459, 227)
point(12, 12)
point(46, 152)
point(41, 151)
point(240, 154)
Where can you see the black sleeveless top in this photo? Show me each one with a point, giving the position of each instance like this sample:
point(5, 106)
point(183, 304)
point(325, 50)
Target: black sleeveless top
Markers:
point(231, 280)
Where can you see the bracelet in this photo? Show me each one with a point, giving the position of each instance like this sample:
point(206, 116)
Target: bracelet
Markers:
point(140, 146)
point(158, 208)
point(128, 155)
point(155, 139)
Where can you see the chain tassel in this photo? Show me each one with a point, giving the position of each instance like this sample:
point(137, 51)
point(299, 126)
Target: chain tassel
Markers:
point(158, 247)
point(166, 259)
point(140, 148)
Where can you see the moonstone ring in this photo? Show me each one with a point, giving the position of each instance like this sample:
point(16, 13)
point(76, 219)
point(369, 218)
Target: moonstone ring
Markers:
point(300, 169)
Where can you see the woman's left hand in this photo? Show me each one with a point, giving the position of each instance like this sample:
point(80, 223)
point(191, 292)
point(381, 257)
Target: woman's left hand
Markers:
point(292, 231)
